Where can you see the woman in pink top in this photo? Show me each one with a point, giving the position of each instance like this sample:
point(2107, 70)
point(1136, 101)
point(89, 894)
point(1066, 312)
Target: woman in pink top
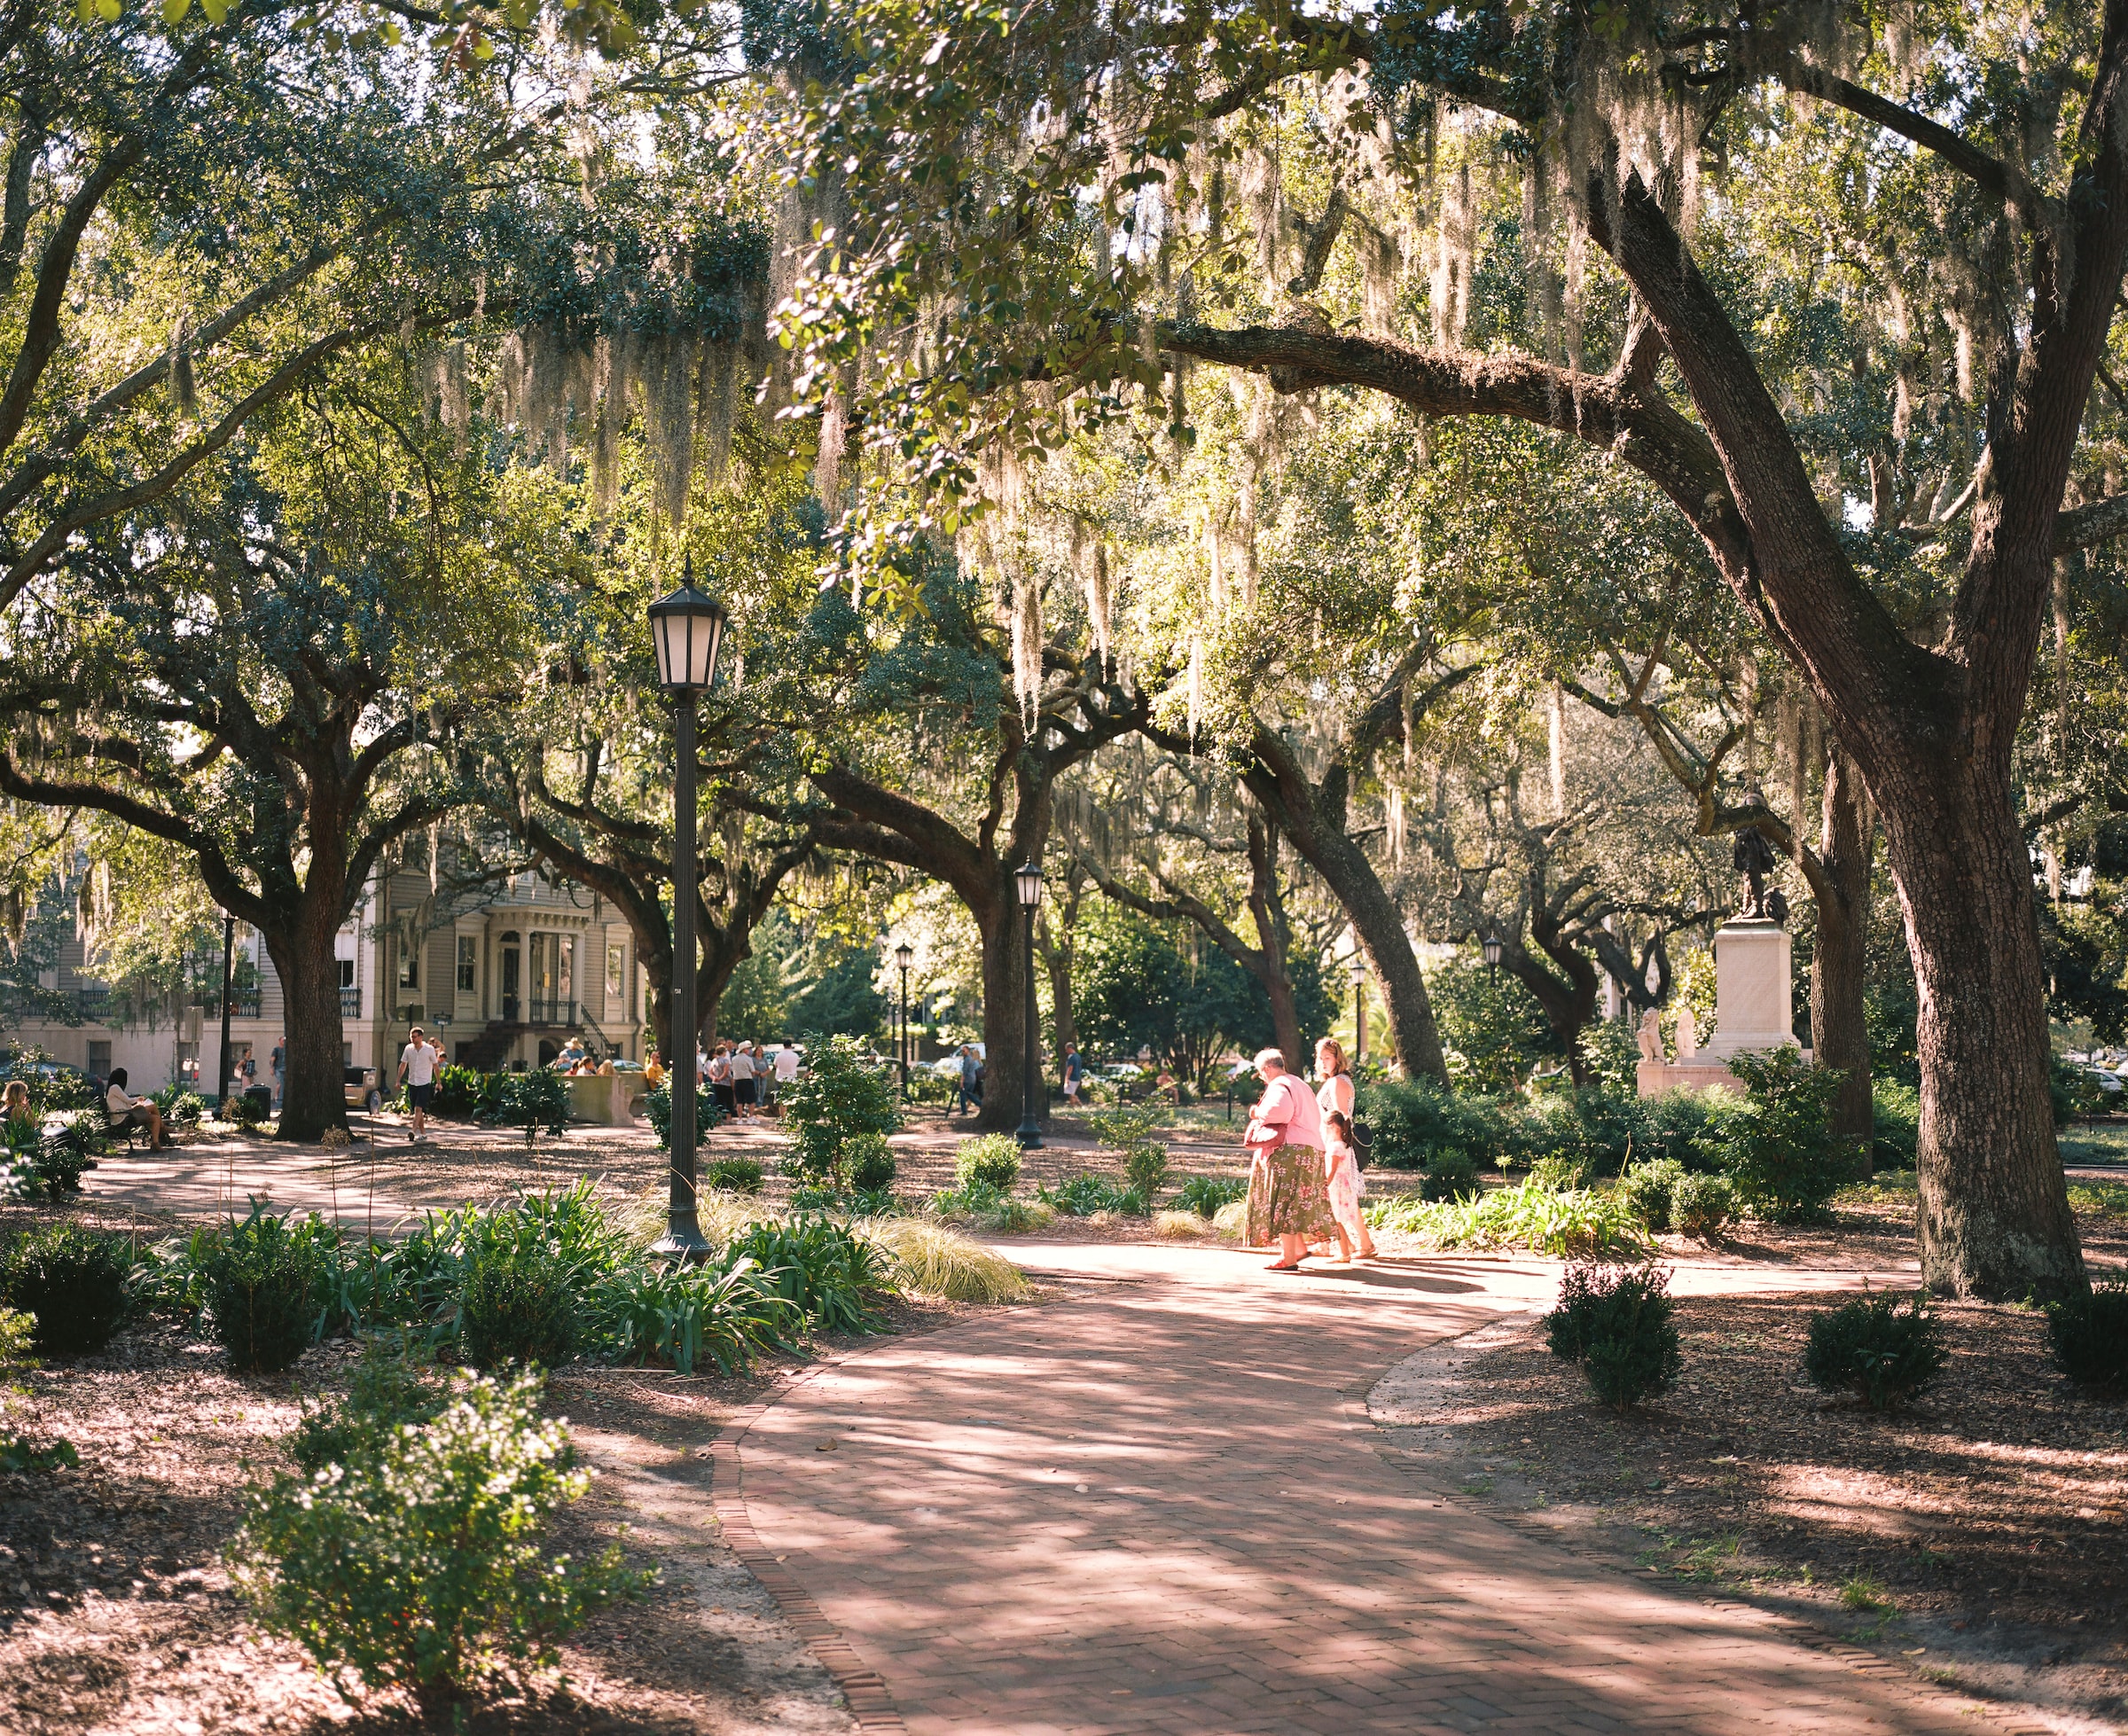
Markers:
point(1287, 1196)
point(1334, 1099)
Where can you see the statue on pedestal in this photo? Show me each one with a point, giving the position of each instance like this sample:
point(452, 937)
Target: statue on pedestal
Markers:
point(1688, 1034)
point(1753, 859)
point(1651, 1036)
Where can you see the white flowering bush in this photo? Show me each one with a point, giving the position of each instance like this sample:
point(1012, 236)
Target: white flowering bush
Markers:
point(418, 1559)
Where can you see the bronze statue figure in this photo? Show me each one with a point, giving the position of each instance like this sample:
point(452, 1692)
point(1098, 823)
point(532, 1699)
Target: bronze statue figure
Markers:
point(1753, 859)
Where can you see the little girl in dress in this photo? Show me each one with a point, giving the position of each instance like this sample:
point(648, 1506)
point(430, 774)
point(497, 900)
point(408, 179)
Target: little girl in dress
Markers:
point(1343, 1166)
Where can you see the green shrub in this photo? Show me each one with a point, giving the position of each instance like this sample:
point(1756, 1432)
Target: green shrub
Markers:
point(1205, 1194)
point(75, 1281)
point(518, 1305)
point(1412, 1120)
point(836, 1099)
point(1450, 1175)
point(991, 1160)
point(657, 1110)
point(421, 1565)
point(70, 1148)
point(1531, 1216)
point(1131, 1130)
point(733, 1175)
point(2089, 1337)
point(48, 1092)
point(1869, 1346)
point(1678, 1124)
point(867, 1162)
point(1780, 1152)
point(389, 1389)
point(990, 1208)
point(828, 1274)
point(532, 1101)
point(1701, 1206)
point(180, 1107)
point(466, 1093)
point(1895, 1142)
point(874, 1203)
point(1082, 1196)
point(1650, 1190)
point(1618, 1323)
point(726, 1313)
point(264, 1281)
point(245, 1111)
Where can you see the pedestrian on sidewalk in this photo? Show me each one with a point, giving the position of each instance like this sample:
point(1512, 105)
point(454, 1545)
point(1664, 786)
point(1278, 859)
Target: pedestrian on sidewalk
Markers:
point(1075, 1071)
point(1289, 1197)
point(719, 1075)
point(1334, 1098)
point(418, 1072)
point(967, 1090)
point(280, 1071)
point(742, 1082)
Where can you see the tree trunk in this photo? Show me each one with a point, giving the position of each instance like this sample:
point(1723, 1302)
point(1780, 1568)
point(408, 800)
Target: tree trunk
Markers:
point(1994, 1218)
point(314, 1094)
point(1004, 1015)
point(1056, 958)
point(1839, 967)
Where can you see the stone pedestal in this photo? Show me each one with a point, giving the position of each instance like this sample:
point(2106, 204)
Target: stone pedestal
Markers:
point(1754, 1009)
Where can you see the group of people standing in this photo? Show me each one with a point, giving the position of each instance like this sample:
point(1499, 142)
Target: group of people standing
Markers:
point(1304, 1182)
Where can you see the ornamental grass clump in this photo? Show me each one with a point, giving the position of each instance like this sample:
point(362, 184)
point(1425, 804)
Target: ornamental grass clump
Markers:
point(417, 1560)
point(74, 1281)
point(1618, 1323)
point(1871, 1347)
point(934, 1261)
point(1585, 1224)
point(2089, 1337)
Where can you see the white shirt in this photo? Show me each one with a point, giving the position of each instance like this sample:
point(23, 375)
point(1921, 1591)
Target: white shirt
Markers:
point(1335, 1093)
point(116, 1102)
point(786, 1066)
point(418, 1062)
point(742, 1065)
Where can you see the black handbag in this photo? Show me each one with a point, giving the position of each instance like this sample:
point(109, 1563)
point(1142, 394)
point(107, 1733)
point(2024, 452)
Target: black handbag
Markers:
point(1363, 1143)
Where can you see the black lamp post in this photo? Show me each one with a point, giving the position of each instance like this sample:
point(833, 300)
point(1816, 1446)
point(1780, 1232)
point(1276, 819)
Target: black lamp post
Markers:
point(1029, 879)
point(1491, 945)
point(904, 955)
point(687, 630)
point(1359, 1009)
point(229, 962)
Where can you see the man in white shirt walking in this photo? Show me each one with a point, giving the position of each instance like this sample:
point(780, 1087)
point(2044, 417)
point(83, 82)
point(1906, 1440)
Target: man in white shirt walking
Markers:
point(418, 1072)
point(742, 1080)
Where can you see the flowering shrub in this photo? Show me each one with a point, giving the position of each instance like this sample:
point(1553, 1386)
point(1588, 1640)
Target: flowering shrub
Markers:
point(416, 1561)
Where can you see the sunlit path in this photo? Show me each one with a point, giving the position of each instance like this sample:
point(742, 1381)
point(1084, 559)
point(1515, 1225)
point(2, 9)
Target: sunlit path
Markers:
point(1159, 1505)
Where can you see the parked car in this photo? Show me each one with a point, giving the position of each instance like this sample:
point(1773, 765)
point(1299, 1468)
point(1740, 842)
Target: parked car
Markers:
point(1121, 1073)
point(362, 1090)
point(2108, 1081)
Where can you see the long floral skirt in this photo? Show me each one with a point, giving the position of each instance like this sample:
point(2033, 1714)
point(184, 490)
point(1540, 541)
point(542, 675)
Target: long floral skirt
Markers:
point(1287, 1196)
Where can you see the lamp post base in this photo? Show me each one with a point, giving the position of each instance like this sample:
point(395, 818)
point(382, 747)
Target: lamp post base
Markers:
point(1029, 1134)
point(682, 1242)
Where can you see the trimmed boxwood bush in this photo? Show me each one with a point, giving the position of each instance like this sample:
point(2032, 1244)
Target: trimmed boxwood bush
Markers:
point(74, 1281)
point(867, 1162)
point(1701, 1206)
point(1871, 1347)
point(990, 1159)
point(1650, 1190)
point(1450, 1175)
point(2089, 1337)
point(1617, 1322)
point(733, 1175)
point(1414, 1121)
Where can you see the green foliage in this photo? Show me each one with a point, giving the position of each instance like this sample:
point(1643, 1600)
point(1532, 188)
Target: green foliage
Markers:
point(265, 1284)
point(466, 1093)
point(1082, 1196)
point(2088, 1335)
point(1531, 1216)
point(989, 1160)
point(246, 1112)
point(518, 1304)
point(726, 1313)
point(990, 1208)
point(76, 1281)
point(1129, 1129)
point(1413, 1120)
point(657, 1110)
point(824, 1269)
point(43, 1163)
point(1650, 1192)
point(867, 1162)
point(18, 1452)
point(1683, 1125)
point(1897, 1142)
point(1701, 1206)
point(1780, 1156)
point(1611, 1054)
point(180, 1107)
point(934, 1261)
point(1493, 1029)
point(1205, 1194)
point(1450, 1175)
point(1868, 1345)
point(388, 1390)
point(535, 1100)
point(733, 1175)
point(419, 1562)
point(838, 1099)
point(1617, 1322)
point(52, 1088)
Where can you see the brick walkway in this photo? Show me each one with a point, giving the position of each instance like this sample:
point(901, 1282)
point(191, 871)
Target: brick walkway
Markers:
point(1158, 1506)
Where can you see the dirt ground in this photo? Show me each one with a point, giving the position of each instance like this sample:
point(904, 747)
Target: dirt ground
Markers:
point(116, 1614)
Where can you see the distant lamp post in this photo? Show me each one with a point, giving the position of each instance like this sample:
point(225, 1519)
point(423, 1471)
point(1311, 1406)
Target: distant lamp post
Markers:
point(904, 956)
point(1359, 1008)
point(229, 964)
point(1029, 879)
point(1491, 945)
point(688, 631)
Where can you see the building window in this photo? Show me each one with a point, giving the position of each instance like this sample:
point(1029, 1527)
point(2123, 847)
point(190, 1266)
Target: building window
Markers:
point(469, 963)
point(99, 1059)
point(410, 964)
point(616, 972)
point(346, 973)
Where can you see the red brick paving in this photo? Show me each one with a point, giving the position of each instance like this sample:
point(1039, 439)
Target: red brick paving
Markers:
point(1242, 1557)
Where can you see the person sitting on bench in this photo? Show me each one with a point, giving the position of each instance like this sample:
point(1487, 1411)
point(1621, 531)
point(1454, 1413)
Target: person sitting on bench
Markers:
point(125, 1111)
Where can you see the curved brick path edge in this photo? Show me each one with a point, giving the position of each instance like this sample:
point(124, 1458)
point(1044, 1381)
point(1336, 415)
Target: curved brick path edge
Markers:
point(958, 1572)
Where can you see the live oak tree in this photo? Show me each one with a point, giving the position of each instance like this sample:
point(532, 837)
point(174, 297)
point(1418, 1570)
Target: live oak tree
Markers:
point(1063, 196)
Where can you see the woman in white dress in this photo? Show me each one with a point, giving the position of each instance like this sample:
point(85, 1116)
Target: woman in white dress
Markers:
point(1335, 1097)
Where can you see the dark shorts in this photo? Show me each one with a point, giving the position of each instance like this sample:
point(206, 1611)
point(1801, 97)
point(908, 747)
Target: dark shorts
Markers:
point(419, 1095)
